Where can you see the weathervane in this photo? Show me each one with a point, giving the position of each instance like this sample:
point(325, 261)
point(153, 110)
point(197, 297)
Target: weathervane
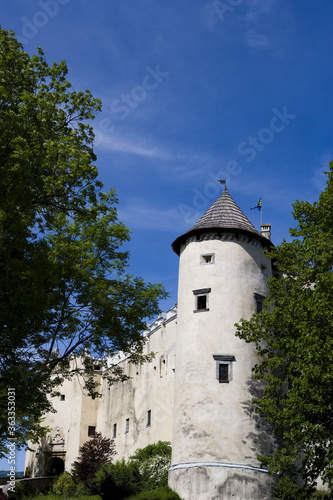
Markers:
point(222, 181)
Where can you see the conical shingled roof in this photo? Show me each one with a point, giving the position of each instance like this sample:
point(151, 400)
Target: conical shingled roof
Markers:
point(223, 214)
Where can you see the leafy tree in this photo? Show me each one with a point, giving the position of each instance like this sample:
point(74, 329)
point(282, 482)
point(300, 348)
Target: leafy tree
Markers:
point(93, 454)
point(64, 290)
point(161, 448)
point(146, 470)
point(116, 481)
point(64, 485)
point(153, 462)
point(294, 336)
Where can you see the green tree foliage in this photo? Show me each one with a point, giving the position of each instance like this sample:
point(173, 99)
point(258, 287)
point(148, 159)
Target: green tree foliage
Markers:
point(64, 485)
point(93, 454)
point(153, 462)
point(294, 335)
point(161, 448)
point(63, 283)
point(146, 470)
point(116, 481)
point(286, 489)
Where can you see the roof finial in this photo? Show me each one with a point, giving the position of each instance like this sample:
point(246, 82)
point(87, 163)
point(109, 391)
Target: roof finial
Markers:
point(223, 181)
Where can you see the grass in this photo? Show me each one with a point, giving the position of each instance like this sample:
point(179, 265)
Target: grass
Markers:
point(164, 493)
point(53, 496)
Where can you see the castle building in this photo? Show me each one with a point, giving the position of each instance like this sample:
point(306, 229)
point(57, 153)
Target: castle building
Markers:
point(197, 392)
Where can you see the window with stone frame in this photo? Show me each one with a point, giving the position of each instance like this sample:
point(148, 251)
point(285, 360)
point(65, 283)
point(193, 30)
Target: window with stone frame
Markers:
point(207, 258)
point(224, 371)
point(201, 299)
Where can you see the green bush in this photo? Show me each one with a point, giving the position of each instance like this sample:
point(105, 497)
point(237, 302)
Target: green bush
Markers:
point(164, 493)
point(161, 448)
point(64, 485)
point(154, 472)
point(20, 491)
point(116, 481)
point(53, 496)
point(153, 461)
point(81, 490)
point(146, 470)
point(286, 489)
point(323, 495)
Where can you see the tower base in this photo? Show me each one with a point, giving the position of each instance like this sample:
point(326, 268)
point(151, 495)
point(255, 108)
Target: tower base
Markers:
point(215, 481)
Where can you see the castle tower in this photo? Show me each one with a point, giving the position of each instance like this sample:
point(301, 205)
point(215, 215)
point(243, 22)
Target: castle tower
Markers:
point(217, 434)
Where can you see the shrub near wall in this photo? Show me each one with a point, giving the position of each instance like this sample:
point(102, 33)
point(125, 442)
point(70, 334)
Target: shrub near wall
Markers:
point(146, 470)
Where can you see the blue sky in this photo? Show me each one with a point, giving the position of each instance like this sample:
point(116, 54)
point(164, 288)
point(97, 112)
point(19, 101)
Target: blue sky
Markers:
point(194, 91)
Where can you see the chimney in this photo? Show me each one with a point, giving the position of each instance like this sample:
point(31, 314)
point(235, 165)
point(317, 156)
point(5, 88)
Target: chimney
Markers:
point(266, 231)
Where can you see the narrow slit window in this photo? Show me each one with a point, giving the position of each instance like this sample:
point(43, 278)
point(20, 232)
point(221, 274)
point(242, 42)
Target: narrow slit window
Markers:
point(258, 306)
point(114, 430)
point(127, 426)
point(223, 372)
point(259, 302)
point(148, 418)
point(91, 431)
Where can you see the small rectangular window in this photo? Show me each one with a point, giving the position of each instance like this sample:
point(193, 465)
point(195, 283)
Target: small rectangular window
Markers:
point(148, 418)
point(224, 367)
point(207, 258)
point(127, 426)
point(201, 302)
point(258, 306)
point(91, 430)
point(114, 430)
point(201, 299)
point(62, 397)
point(223, 372)
point(259, 302)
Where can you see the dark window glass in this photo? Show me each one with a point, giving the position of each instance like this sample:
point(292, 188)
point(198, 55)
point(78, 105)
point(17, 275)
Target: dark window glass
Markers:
point(202, 302)
point(258, 306)
point(223, 373)
point(91, 430)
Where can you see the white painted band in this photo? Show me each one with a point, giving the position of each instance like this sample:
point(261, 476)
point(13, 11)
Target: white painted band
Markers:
point(215, 464)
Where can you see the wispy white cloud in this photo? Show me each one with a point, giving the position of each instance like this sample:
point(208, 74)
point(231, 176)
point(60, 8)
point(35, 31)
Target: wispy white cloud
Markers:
point(260, 32)
point(130, 146)
point(138, 214)
point(319, 178)
point(174, 160)
point(257, 40)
